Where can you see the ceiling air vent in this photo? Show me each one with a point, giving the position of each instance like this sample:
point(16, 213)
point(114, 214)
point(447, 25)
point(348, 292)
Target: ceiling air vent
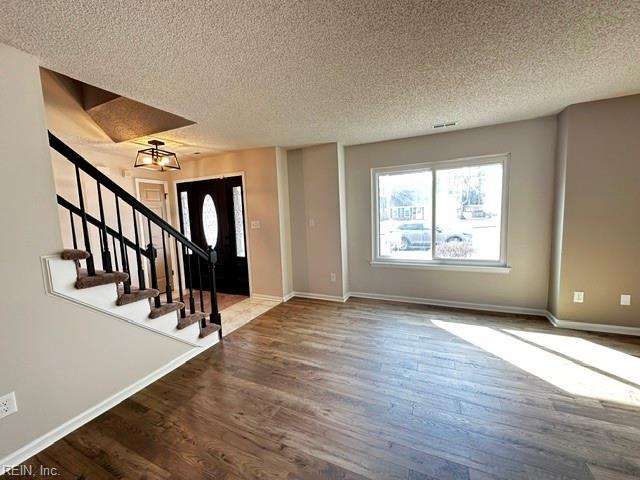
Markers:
point(445, 124)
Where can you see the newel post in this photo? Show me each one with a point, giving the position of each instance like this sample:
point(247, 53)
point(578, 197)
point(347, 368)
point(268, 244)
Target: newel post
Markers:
point(215, 314)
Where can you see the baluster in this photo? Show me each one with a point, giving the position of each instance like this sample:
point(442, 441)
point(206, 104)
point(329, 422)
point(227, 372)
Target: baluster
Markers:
point(215, 315)
point(200, 285)
point(73, 231)
point(123, 249)
point(168, 279)
point(152, 265)
point(192, 302)
point(182, 310)
point(115, 252)
point(91, 269)
point(141, 280)
point(106, 255)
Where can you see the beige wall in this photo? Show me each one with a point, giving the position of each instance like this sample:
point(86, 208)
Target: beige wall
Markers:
point(285, 221)
point(344, 229)
point(261, 183)
point(532, 146)
point(598, 240)
point(60, 359)
point(315, 206)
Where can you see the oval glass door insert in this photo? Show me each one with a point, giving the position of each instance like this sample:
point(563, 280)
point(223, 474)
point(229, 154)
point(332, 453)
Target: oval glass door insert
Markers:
point(210, 221)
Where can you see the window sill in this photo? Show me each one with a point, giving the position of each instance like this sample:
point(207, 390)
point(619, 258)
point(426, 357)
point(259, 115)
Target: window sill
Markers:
point(443, 266)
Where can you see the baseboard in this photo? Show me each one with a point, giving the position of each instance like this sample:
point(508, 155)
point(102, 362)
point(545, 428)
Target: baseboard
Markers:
point(453, 304)
point(271, 298)
point(592, 327)
point(321, 296)
point(36, 446)
point(539, 312)
point(288, 296)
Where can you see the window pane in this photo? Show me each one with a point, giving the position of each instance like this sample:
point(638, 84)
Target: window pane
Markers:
point(186, 225)
point(468, 212)
point(238, 220)
point(404, 201)
point(210, 221)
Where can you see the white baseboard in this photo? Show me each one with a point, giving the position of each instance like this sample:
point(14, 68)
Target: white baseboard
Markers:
point(454, 304)
point(321, 296)
point(539, 312)
point(288, 296)
point(271, 298)
point(39, 444)
point(592, 327)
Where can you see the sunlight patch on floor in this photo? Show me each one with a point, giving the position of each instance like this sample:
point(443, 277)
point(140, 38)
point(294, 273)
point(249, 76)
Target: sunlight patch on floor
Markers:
point(554, 369)
point(606, 359)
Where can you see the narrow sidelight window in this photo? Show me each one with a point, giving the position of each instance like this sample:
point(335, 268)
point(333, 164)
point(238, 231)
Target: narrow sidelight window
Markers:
point(238, 220)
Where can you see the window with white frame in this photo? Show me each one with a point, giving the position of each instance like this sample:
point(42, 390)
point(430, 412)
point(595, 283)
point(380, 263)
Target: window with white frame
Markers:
point(450, 212)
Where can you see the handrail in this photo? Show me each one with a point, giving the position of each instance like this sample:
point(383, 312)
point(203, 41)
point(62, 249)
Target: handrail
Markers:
point(150, 252)
point(66, 151)
point(63, 202)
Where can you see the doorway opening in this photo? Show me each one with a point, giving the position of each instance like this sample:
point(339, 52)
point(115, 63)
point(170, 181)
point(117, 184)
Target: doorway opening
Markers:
point(153, 194)
point(212, 213)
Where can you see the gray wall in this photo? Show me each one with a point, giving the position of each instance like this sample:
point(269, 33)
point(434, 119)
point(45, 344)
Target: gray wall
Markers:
point(597, 241)
point(316, 225)
point(532, 147)
point(60, 359)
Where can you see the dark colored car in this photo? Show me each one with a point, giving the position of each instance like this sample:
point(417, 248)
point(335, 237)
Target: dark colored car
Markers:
point(417, 235)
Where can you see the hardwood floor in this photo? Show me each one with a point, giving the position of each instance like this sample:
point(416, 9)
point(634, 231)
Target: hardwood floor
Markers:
point(375, 390)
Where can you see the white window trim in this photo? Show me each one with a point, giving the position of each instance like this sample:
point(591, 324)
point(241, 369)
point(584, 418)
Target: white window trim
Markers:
point(468, 265)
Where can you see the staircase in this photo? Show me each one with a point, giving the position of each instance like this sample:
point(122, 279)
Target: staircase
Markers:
point(97, 270)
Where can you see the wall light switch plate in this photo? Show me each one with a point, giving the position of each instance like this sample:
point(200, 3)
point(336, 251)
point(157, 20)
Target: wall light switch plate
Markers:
point(255, 224)
point(578, 297)
point(8, 404)
point(333, 277)
point(625, 299)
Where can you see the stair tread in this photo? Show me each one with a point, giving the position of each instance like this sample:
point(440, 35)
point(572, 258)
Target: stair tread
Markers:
point(209, 329)
point(100, 278)
point(190, 319)
point(165, 308)
point(74, 254)
point(135, 295)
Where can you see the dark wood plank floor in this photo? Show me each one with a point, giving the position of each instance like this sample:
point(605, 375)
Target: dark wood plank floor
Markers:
point(362, 390)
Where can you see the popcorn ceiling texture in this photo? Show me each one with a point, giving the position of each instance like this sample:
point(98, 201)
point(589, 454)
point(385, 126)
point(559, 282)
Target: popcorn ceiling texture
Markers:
point(289, 73)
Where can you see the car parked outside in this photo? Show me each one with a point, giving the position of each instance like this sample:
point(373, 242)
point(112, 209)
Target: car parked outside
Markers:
point(417, 236)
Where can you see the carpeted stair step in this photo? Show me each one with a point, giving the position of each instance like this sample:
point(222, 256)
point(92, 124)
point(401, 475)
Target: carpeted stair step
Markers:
point(164, 309)
point(100, 278)
point(135, 295)
point(190, 319)
point(72, 254)
point(209, 329)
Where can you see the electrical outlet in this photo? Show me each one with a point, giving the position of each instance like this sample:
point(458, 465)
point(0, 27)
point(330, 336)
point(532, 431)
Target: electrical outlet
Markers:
point(333, 277)
point(255, 224)
point(625, 299)
point(8, 404)
point(578, 297)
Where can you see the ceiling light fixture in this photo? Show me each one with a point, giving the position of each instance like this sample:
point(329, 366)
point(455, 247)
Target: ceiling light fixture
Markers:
point(156, 159)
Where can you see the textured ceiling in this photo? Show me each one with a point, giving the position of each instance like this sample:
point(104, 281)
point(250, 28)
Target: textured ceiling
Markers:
point(257, 73)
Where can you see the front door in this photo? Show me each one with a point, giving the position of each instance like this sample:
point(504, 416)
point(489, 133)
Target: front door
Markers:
point(152, 195)
point(212, 213)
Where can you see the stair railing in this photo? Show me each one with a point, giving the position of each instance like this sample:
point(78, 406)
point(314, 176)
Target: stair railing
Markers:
point(122, 244)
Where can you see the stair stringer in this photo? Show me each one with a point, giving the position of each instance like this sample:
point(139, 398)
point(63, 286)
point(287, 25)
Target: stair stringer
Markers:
point(60, 277)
